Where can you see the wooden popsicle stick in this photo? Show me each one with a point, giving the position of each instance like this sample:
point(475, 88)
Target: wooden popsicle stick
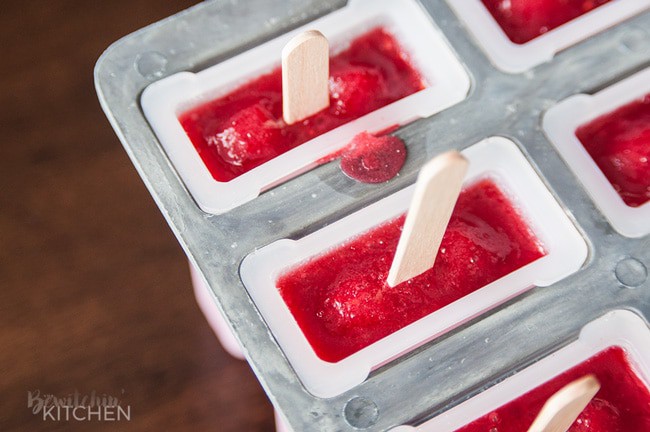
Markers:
point(436, 191)
point(305, 74)
point(563, 408)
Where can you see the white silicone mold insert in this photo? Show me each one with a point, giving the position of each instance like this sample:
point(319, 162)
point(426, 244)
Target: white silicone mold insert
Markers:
point(497, 158)
point(618, 328)
point(515, 58)
point(560, 124)
point(213, 315)
point(446, 80)
point(220, 327)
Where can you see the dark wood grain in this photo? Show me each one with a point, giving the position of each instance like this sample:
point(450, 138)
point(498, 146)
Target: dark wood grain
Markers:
point(94, 290)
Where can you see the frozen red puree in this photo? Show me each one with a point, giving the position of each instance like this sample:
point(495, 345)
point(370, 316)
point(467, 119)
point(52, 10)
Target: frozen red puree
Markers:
point(372, 159)
point(621, 405)
point(619, 143)
point(244, 129)
point(524, 20)
point(341, 300)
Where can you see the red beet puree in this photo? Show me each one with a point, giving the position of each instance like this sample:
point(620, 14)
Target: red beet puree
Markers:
point(244, 129)
point(619, 143)
point(621, 405)
point(341, 300)
point(524, 20)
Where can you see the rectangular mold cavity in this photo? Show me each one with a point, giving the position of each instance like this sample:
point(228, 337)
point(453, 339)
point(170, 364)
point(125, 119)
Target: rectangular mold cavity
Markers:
point(516, 58)
point(619, 328)
point(497, 158)
point(447, 84)
point(560, 124)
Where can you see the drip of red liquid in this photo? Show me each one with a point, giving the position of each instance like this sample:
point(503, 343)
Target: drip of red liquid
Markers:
point(372, 159)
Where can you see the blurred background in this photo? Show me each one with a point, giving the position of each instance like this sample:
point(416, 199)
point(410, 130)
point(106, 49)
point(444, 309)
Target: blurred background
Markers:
point(95, 293)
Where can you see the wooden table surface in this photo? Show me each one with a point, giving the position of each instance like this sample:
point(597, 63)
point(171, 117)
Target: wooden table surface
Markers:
point(95, 293)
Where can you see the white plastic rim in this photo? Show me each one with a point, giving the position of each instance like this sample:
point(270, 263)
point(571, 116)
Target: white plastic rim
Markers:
point(560, 124)
point(213, 315)
point(618, 328)
point(496, 158)
point(515, 58)
point(447, 84)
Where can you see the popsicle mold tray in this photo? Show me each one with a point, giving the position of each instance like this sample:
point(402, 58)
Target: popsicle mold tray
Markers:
point(478, 349)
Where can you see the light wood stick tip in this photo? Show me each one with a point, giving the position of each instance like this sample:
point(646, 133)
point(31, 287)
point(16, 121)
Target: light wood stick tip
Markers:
point(305, 75)
point(302, 38)
point(452, 157)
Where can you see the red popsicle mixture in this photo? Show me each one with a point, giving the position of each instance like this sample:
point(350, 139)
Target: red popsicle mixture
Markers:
point(244, 129)
point(373, 159)
point(621, 405)
point(619, 143)
point(524, 20)
point(341, 300)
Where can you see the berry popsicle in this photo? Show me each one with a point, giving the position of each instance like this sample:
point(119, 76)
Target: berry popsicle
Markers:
point(524, 20)
point(619, 143)
point(240, 131)
point(342, 303)
point(493, 252)
point(621, 405)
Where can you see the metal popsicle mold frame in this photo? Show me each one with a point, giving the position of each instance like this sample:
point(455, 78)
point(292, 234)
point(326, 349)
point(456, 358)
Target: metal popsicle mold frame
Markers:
point(450, 369)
